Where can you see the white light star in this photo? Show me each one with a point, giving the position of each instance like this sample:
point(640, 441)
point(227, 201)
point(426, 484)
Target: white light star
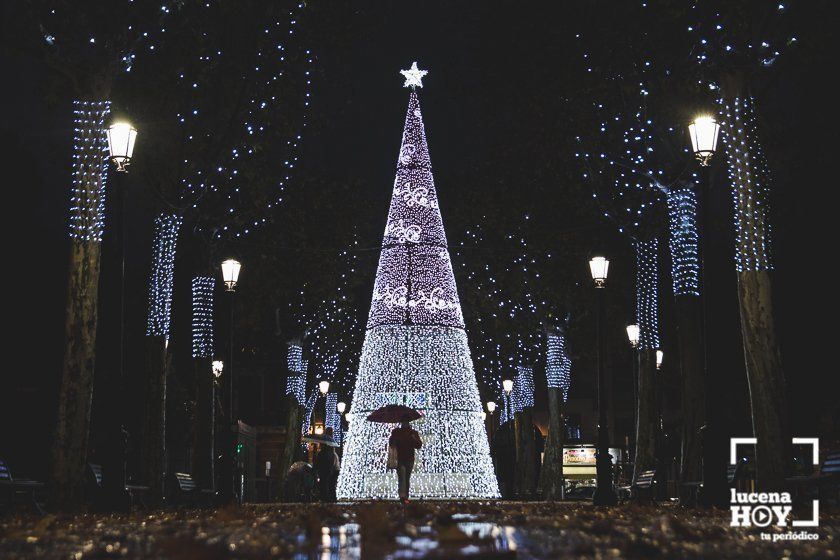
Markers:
point(413, 76)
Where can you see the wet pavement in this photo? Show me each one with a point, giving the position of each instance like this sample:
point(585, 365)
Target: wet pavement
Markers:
point(434, 530)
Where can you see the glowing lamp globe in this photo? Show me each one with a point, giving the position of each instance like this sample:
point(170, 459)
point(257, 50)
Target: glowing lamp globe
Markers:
point(599, 266)
point(483, 416)
point(507, 385)
point(218, 366)
point(704, 136)
point(491, 407)
point(633, 335)
point(324, 387)
point(660, 355)
point(341, 407)
point(230, 273)
point(121, 137)
point(319, 429)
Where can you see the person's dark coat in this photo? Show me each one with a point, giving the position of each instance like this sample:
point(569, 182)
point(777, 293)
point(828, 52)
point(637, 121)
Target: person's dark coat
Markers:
point(405, 440)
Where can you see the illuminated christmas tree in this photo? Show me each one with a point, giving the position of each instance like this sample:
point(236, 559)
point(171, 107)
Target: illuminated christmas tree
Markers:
point(415, 350)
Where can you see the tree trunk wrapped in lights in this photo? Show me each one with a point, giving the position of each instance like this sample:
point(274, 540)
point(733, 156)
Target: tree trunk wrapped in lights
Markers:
point(749, 177)
point(87, 221)
point(557, 373)
point(157, 333)
point(203, 452)
point(523, 418)
point(415, 350)
point(685, 273)
point(647, 317)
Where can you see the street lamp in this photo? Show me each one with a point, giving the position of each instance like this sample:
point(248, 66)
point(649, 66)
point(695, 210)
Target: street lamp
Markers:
point(217, 367)
point(121, 138)
point(604, 493)
point(230, 273)
point(633, 335)
point(704, 136)
point(491, 407)
point(341, 407)
point(507, 385)
point(230, 276)
point(659, 356)
point(324, 387)
point(599, 266)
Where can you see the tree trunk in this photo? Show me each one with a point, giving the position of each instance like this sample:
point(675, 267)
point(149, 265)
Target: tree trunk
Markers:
point(766, 380)
point(749, 174)
point(70, 446)
point(526, 463)
point(646, 417)
point(202, 428)
point(294, 412)
point(154, 434)
point(689, 334)
point(551, 474)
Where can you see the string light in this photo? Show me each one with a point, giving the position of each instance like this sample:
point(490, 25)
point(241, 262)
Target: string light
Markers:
point(647, 293)
point(222, 179)
point(414, 341)
point(90, 170)
point(203, 290)
point(749, 177)
point(683, 241)
point(522, 396)
point(296, 375)
point(162, 274)
point(332, 417)
point(558, 365)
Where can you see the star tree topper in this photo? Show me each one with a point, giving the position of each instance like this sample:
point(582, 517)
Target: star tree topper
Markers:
point(413, 76)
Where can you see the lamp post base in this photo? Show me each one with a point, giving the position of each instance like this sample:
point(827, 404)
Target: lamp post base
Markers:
point(604, 494)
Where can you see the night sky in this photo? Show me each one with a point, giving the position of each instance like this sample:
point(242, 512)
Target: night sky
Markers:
point(497, 123)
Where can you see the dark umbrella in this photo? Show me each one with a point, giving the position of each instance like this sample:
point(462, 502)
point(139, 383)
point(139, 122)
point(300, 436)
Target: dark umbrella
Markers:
point(393, 413)
point(319, 439)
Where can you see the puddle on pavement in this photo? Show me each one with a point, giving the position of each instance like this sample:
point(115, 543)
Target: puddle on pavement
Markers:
point(471, 538)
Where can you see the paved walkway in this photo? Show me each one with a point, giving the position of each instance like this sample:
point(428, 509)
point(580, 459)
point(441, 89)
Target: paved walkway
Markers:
point(421, 530)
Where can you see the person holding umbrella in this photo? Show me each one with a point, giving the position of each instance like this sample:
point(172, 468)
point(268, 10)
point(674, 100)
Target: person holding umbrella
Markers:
point(404, 440)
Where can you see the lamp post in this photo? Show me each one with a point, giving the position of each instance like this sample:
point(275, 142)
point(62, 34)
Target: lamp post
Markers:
point(604, 493)
point(507, 385)
point(230, 276)
point(121, 139)
point(218, 366)
point(340, 407)
point(704, 132)
point(633, 335)
point(324, 387)
point(491, 408)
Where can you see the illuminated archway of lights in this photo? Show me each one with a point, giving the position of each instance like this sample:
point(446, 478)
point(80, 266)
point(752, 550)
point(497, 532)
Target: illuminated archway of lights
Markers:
point(331, 332)
point(415, 350)
point(224, 179)
point(507, 332)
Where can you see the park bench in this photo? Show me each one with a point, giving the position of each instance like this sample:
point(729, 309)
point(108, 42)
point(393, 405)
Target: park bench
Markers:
point(186, 491)
point(733, 474)
point(827, 476)
point(13, 489)
point(135, 492)
point(643, 486)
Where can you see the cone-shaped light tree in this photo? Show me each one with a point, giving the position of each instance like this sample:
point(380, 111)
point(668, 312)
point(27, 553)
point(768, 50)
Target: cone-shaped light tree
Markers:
point(415, 350)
